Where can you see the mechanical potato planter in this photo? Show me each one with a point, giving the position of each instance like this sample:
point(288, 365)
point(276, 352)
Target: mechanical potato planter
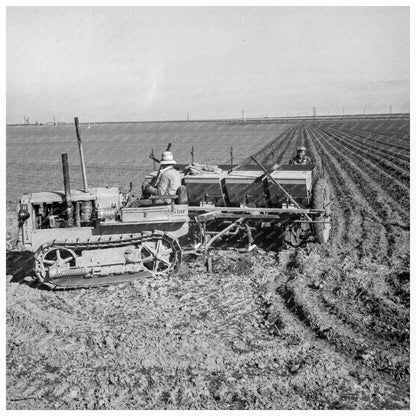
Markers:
point(287, 206)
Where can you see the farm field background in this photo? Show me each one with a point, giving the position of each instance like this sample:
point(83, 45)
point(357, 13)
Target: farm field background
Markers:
point(319, 327)
point(119, 153)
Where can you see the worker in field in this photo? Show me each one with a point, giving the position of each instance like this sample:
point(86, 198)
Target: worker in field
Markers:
point(166, 182)
point(168, 179)
point(300, 158)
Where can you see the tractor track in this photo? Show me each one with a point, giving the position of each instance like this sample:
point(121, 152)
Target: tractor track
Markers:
point(318, 321)
point(348, 338)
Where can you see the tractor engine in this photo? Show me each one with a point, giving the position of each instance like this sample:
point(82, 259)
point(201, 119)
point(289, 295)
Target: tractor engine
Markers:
point(50, 210)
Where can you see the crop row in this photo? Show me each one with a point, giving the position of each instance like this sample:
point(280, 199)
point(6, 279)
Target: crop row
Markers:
point(393, 128)
point(373, 221)
point(374, 181)
point(396, 146)
point(356, 221)
point(391, 148)
point(380, 162)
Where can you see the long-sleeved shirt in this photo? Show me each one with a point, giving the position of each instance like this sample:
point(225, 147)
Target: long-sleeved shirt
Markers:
point(168, 183)
point(305, 160)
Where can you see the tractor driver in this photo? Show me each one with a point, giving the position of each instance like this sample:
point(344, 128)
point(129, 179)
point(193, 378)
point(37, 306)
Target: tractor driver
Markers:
point(168, 180)
point(300, 158)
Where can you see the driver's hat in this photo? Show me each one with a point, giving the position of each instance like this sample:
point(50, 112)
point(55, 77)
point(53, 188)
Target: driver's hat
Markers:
point(167, 159)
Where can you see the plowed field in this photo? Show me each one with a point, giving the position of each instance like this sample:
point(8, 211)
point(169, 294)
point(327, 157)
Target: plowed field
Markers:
point(318, 327)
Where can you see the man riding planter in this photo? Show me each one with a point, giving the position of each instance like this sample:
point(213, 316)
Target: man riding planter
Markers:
point(167, 182)
point(300, 158)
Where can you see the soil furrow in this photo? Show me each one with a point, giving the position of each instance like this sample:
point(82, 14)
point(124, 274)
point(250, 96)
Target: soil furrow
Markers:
point(387, 162)
point(373, 190)
point(347, 194)
point(374, 140)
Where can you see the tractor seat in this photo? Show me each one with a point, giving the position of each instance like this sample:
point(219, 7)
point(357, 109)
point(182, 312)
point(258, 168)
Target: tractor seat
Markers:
point(182, 195)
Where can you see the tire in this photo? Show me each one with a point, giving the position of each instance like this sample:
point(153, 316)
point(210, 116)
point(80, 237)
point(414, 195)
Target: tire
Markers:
point(320, 200)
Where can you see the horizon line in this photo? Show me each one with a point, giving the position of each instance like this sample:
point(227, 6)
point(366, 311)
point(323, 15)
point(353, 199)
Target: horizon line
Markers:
point(239, 119)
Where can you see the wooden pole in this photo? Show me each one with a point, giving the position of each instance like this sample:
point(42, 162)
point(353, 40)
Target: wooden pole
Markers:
point(67, 187)
point(81, 155)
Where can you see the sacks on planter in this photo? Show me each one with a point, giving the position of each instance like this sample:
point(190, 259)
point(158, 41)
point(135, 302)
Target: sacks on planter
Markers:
point(196, 168)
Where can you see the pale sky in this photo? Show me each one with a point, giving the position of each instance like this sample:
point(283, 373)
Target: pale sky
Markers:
point(158, 63)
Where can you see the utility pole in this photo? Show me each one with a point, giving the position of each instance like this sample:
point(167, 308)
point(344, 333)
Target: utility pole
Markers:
point(187, 116)
point(314, 112)
point(54, 122)
point(390, 110)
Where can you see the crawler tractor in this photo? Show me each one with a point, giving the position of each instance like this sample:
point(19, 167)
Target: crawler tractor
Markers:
point(92, 237)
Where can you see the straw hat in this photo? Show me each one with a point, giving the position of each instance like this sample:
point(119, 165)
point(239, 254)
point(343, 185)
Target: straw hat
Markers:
point(167, 159)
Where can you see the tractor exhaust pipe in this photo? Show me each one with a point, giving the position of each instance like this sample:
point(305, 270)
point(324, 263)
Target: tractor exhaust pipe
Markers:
point(81, 155)
point(67, 187)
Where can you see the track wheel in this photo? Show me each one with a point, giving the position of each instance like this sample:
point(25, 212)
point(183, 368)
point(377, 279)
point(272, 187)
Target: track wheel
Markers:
point(320, 200)
point(161, 254)
point(51, 261)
